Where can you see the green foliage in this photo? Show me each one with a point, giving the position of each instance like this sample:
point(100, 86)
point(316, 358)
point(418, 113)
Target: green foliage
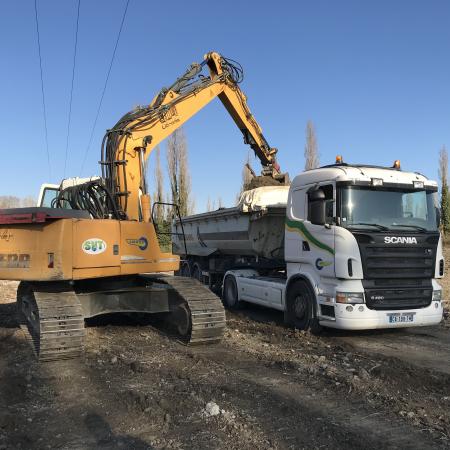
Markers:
point(165, 240)
point(179, 175)
point(445, 209)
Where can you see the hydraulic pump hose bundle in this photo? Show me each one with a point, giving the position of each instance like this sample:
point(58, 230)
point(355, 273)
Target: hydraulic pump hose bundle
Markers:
point(92, 196)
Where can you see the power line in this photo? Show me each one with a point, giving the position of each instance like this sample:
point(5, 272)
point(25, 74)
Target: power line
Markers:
point(71, 87)
point(42, 89)
point(104, 87)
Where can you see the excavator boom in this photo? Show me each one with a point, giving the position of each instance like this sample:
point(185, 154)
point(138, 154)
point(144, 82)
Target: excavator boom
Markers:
point(129, 143)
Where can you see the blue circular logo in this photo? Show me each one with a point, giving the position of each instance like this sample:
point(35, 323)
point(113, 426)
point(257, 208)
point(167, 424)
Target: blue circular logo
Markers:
point(143, 243)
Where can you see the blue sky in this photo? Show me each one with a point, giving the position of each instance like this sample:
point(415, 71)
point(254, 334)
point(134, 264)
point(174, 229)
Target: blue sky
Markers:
point(372, 75)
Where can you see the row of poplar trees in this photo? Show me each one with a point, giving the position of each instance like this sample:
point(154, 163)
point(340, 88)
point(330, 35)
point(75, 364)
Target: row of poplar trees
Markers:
point(445, 200)
point(180, 180)
point(180, 186)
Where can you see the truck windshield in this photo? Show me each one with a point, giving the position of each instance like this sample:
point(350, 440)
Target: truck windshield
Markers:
point(389, 209)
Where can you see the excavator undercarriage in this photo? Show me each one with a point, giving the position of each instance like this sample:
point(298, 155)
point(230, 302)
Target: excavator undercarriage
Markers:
point(52, 314)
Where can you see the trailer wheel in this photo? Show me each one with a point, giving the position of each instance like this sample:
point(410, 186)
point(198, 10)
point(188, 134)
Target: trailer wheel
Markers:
point(230, 293)
point(197, 272)
point(185, 269)
point(301, 306)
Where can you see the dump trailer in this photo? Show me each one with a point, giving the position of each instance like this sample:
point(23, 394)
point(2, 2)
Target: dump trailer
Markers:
point(345, 246)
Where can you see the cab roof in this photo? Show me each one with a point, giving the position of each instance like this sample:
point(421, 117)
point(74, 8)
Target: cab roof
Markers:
point(361, 173)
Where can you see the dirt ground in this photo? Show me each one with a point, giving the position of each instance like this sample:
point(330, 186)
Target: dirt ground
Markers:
point(264, 387)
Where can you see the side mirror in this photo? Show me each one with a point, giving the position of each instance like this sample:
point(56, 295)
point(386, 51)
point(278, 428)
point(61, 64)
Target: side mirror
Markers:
point(315, 195)
point(438, 217)
point(317, 206)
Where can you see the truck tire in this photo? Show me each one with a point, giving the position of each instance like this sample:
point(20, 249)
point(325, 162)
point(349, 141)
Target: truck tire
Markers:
point(301, 307)
point(185, 269)
point(197, 272)
point(230, 293)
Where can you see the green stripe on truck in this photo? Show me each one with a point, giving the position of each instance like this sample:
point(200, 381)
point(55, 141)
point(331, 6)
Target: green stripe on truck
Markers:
point(299, 227)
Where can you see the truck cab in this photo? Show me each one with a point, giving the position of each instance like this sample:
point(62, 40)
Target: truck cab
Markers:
point(366, 242)
point(349, 246)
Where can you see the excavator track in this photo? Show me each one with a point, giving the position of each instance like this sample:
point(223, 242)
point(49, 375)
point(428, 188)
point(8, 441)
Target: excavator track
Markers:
point(53, 323)
point(205, 311)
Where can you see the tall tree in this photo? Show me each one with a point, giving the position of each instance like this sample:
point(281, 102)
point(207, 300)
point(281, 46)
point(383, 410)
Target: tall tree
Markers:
point(179, 176)
point(311, 150)
point(162, 222)
point(445, 200)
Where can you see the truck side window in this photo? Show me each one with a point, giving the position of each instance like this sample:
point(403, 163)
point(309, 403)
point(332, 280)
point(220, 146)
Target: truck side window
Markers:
point(298, 204)
point(329, 202)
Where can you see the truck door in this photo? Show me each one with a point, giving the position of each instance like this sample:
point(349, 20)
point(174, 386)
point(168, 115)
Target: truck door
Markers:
point(308, 243)
point(321, 240)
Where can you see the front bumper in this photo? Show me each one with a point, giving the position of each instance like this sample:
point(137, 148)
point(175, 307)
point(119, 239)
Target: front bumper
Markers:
point(369, 319)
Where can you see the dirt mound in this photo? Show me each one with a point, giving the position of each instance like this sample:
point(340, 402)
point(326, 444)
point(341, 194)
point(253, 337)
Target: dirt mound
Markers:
point(262, 181)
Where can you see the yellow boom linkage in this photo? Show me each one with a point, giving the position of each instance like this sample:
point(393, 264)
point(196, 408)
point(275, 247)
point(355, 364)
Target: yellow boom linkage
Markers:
point(139, 132)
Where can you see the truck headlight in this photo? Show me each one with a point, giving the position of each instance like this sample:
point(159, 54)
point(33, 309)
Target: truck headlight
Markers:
point(437, 295)
point(349, 297)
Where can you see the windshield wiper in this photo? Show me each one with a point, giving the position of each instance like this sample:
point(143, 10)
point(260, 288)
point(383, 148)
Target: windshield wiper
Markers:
point(416, 227)
point(377, 225)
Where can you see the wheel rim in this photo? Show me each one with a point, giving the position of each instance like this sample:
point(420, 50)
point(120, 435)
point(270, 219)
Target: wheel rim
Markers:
point(301, 311)
point(300, 307)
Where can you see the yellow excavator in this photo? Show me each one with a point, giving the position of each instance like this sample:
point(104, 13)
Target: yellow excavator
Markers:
point(94, 249)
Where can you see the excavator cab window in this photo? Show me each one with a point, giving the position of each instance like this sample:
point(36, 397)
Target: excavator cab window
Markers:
point(48, 195)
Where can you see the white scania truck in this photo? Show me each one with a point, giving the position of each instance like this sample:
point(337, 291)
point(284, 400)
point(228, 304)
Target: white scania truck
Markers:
point(344, 246)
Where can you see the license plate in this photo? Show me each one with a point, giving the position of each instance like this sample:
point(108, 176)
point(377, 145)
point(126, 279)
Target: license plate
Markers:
point(401, 317)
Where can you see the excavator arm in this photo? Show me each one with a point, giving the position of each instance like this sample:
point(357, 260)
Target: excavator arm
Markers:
point(129, 143)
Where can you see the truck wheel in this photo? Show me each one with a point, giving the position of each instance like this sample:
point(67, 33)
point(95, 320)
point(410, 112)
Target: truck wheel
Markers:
point(300, 306)
point(230, 293)
point(315, 327)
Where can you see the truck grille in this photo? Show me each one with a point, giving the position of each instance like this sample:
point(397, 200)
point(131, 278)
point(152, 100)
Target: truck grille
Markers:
point(397, 276)
point(402, 296)
point(392, 262)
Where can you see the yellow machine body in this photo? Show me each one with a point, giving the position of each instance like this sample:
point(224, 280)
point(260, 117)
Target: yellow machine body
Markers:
point(75, 249)
point(84, 256)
